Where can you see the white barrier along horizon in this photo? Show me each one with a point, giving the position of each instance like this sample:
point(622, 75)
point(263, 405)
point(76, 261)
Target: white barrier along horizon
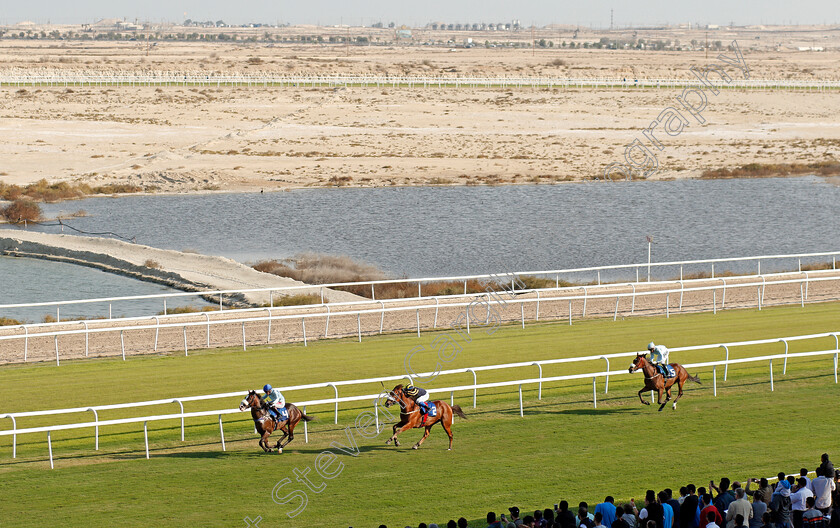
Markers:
point(46, 77)
point(419, 281)
point(158, 325)
point(474, 387)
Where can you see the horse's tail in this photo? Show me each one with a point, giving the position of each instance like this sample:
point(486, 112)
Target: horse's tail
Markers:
point(457, 410)
point(307, 418)
point(695, 379)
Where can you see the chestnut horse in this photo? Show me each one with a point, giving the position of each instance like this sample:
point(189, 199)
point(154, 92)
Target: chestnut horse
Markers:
point(265, 424)
point(410, 416)
point(654, 380)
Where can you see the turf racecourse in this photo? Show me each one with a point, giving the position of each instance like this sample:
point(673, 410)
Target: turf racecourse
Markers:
point(561, 449)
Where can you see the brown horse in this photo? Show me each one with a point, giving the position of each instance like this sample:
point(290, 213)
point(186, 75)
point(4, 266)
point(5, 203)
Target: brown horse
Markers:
point(655, 381)
point(410, 416)
point(265, 424)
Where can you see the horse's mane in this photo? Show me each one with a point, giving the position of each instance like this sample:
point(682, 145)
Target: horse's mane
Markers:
point(398, 387)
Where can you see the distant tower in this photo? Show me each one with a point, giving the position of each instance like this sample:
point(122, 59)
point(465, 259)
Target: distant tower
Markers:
point(611, 19)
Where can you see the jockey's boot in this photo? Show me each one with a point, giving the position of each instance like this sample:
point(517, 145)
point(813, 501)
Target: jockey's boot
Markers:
point(423, 412)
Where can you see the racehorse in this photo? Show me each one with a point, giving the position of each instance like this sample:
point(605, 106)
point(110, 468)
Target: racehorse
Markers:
point(410, 416)
point(265, 424)
point(654, 380)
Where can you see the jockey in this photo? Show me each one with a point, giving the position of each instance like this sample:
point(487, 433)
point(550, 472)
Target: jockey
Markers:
point(420, 397)
point(658, 356)
point(274, 400)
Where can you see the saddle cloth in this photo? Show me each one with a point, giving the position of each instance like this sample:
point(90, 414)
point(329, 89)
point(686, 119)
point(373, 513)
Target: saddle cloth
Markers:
point(668, 371)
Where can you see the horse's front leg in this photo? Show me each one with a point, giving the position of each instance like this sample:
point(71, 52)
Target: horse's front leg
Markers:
point(404, 427)
point(264, 442)
point(644, 389)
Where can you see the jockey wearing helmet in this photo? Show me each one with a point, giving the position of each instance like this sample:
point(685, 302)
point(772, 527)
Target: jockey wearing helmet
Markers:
point(658, 356)
point(274, 400)
point(420, 397)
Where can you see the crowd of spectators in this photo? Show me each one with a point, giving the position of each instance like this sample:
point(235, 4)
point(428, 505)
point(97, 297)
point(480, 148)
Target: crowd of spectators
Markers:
point(790, 502)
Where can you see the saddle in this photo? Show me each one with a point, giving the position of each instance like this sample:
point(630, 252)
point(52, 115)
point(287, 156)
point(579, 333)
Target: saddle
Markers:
point(427, 409)
point(667, 371)
point(280, 415)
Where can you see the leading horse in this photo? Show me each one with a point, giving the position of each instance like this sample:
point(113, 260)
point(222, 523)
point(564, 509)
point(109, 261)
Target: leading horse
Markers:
point(265, 424)
point(410, 416)
point(654, 380)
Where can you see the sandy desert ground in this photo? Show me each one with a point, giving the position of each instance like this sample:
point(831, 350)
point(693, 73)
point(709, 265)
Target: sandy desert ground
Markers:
point(193, 139)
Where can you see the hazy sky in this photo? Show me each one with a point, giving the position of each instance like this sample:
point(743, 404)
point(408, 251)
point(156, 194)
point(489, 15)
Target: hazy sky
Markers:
point(366, 12)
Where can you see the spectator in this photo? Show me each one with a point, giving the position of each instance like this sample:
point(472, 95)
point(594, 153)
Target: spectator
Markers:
point(706, 508)
point(599, 520)
point(514, 517)
point(492, 522)
point(739, 519)
point(780, 505)
point(652, 511)
point(583, 519)
point(548, 517)
point(823, 486)
point(826, 466)
point(462, 522)
point(382, 526)
point(683, 494)
point(812, 517)
point(565, 518)
point(767, 520)
point(740, 506)
point(422, 525)
point(619, 521)
point(803, 473)
point(724, 495)
point(688, 508)
point(629, 516)
point(583, 505)
point(710, 520)
point(538, 519)
point(759, 508)
point(675, 505)
point(667, 510)
point(528, 521)
point(451, 524)
point(763, 492)
point(607, 510)
point(797, 499)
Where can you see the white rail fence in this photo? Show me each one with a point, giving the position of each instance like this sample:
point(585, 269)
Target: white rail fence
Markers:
point(75, 77)
point(556, 274)
point(475, 386)
point(158, 324)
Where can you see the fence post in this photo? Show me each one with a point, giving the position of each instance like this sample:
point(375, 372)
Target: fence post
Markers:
point(633, 306)
point(146, 436)
point(303, 324)
point(185, 341)
point(607, 377)
point(359, 324)
point(122, 344)
point(222, 433)
point(537, 317)
point(375, 412)
point(615, 315)
point(594, 393)
point(475, 389)
point(267, 339)
point(336, 400)
point(726, 366)
point(539, 391)
point(182, 416)
point(244, 347)
point(521, 411)
point(585, 295)
point(723, 295)
point(434, 325)
point(667, 305)
point(522, 310)
point(714, 376)
point(25, 342)
point(771, 376)
point(86, 338)
point(714, 301)
point(418, 322)
point(57, 362)
point(49, 447)
point(14, 436)
point(570, 312)
point(157, 330)
point(327, 326)
point(784, 369)
point(96, 427)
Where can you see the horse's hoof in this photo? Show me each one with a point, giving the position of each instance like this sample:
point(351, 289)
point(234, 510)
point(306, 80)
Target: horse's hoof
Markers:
point(450, 449)
point(388, 442)
point(674, 406)
point(279, 451)
point(415, 446)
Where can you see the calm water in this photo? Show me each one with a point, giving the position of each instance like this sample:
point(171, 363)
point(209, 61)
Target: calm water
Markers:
point(31, 280)
point(462, 230)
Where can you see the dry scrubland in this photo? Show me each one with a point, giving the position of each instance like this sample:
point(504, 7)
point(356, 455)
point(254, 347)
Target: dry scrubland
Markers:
point(207, 138)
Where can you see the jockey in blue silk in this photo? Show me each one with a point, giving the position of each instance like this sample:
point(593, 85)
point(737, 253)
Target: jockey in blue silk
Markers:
point(659, 357)
point(420, 396)
point(274, 400)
